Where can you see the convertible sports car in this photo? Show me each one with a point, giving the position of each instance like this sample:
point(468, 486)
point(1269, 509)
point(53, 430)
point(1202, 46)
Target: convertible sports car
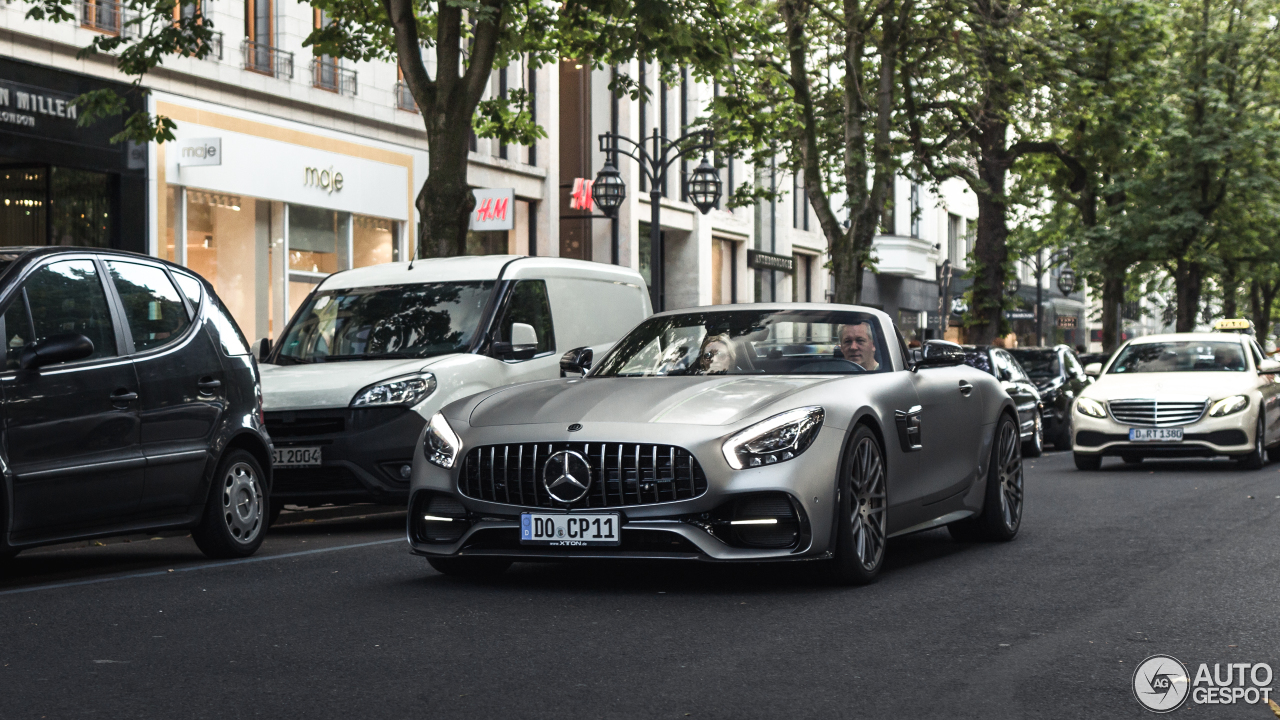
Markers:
point(749, 433)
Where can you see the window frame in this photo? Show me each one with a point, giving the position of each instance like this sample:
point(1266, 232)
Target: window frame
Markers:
point(192, 317)
point(500, 319)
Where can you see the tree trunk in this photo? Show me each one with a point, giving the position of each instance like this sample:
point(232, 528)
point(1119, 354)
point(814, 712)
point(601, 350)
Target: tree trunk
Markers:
point(1261, 300)
point(1188, 278)
point(990, 251)
point(1230, 290)
point(1112, 306)
point(445, 200)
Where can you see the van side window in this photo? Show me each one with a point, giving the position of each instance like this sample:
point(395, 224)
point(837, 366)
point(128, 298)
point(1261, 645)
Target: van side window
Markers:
point(529, 305)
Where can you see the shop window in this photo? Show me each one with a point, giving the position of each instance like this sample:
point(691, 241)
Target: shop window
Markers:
point(316, 237)
point(23, 206)
point(222, 247)
point(169, 251)
point(152, 306)
point(373, 242)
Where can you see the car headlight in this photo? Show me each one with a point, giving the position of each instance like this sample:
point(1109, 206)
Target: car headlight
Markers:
point(441, 445)
point(1090, 407)
point(774, 440)
point(1228, 405)
point(408, 390)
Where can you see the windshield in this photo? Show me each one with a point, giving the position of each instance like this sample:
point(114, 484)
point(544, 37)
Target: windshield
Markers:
point(750, 342)
point(400, 321)
point(1181, 356)
point(1038, 364)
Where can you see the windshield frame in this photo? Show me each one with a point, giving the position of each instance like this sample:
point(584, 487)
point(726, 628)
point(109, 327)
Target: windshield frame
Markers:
point(478, 331)
point(884, 342)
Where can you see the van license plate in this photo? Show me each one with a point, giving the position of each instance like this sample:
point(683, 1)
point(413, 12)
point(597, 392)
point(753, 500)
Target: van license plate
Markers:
point(570, 530)
point(1155, 434)
point(295, 457)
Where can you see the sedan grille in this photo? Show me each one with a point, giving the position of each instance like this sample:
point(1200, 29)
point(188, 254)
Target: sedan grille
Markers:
point(622, 474)
point(1157, 413)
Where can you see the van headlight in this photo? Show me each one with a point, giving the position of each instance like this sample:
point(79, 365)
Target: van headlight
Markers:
point(441, 444)
point(408, 390)
point(1228, 405)
point(1090, 407)
point(774, 440)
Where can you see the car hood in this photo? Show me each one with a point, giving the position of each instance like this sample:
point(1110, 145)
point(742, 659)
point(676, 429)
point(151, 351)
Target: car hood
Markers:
point(682, 400)
point(329, 385)
point(1156, 385)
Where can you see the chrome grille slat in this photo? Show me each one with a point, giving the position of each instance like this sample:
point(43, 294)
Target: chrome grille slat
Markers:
point(632, 466)
point(1155, 412)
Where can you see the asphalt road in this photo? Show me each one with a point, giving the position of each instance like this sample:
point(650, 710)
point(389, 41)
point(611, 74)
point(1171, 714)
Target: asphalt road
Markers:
point(334, 619)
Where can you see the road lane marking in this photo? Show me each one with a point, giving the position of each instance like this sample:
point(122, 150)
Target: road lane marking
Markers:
point(206, 566)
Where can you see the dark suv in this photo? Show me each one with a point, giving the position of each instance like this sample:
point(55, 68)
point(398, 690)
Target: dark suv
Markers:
point(1059, 376)
point(130, 402)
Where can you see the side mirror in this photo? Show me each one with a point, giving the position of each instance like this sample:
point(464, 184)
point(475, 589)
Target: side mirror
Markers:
point(262, 349)
point(1093, 369)
point(523, 345)
point(939, 353)
point(577, 360)
point(1268, 367)
point(64, 347)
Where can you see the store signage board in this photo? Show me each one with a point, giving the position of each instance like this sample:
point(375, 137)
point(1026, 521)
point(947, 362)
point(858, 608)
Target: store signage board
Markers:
point(495, 209)
point(199, 151)
point(1019, 315)
point(1068, 322)
point(761, 260)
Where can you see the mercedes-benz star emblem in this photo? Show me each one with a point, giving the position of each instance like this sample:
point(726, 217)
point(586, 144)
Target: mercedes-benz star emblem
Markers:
point(566, 476)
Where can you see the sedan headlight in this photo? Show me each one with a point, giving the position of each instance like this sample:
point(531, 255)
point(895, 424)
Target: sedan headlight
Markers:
point(1228, 405)
point(408, 390)
point(774, 440)
point(441, 445)
point(1090, 407)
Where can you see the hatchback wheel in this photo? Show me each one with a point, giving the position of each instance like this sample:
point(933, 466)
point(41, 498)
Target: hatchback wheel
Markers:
point(235, 515)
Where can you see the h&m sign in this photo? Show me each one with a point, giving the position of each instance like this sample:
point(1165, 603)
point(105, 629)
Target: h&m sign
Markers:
point(495, 209)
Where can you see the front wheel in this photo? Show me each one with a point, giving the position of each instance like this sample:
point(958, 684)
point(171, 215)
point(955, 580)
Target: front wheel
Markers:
point(1258, 456)
point(862, 509)
point(1001, 515)
point(235, 515)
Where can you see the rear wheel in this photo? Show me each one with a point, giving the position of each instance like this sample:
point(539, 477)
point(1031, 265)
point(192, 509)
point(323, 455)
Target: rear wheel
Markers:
point(862, 509)
point(235, 515)
point(1258, 457)
point(470, 567)
point(1034, 446)
point(1087, 462)
point(1001, 515)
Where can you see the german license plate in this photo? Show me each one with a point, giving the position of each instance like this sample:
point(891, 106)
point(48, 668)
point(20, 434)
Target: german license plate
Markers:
point(296, 457)
point(1155, 434)
point(570, 530)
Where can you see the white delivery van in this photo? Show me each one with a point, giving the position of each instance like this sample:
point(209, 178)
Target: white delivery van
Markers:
point(373, 353)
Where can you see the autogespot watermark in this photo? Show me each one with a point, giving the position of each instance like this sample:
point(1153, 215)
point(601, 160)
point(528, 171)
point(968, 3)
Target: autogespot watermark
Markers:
point(1162, 684)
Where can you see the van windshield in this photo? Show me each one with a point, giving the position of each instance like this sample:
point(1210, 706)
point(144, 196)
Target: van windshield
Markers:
point(375, 323)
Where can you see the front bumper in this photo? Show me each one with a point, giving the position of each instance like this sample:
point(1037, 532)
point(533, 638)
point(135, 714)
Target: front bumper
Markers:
point(1206, 437)
point(690, 529)
point(361, 450)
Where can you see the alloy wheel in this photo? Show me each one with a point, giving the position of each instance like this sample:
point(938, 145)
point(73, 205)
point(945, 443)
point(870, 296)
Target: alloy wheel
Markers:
point(868, 511)
point(242, 503)
point(1010, 474)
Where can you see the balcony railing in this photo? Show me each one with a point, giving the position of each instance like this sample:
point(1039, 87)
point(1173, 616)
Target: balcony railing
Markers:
point(215, 47)
point(106, 16)
point(331, 76)
point(267, 60)
point(404, 98)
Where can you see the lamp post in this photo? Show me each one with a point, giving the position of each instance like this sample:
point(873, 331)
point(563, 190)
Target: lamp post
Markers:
point(655, 155)
point(1038, 266)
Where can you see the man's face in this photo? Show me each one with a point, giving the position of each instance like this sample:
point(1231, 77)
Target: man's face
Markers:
point(858, 346)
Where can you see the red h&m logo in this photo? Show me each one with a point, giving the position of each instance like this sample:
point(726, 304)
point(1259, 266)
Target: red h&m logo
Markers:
point(492, 209)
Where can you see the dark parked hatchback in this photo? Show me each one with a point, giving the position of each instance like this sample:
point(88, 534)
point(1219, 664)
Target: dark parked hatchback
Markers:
point(999, 363)
point(1059, 376)
point(130, 403)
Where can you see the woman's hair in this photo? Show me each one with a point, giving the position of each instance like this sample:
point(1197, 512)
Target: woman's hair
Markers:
point(723, 339)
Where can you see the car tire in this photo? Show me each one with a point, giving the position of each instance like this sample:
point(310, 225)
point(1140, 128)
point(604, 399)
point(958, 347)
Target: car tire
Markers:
point(1034, 447)
point(469, 567)
point(235, 514)
point(861, 513)
point(1258, 457)
point(1087, 462)
point(1132, 459)
point(1063, 440)
point(1002, 502)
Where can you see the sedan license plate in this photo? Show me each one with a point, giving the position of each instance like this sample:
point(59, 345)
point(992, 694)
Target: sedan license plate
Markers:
point(570, 530)
point(1155, 434)
point(296, 457)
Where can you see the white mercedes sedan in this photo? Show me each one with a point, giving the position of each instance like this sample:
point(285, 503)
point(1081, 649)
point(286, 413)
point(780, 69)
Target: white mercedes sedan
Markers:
point(1181, 395)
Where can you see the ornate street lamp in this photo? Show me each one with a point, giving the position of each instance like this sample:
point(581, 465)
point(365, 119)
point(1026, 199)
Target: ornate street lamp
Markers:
point(609, 190)
point(1067, 281)
point(704, 187)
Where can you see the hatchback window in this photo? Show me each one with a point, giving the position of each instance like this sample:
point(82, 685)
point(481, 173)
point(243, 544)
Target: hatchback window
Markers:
point(67, 297)
point(17, 332)
point(190, 287)
point(152, 305)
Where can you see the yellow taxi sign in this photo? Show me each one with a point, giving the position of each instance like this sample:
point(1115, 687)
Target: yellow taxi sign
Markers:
point(1232, 324)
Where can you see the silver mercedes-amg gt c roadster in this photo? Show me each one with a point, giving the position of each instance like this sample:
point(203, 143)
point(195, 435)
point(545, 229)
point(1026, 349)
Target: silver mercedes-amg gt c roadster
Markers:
point(743, 433)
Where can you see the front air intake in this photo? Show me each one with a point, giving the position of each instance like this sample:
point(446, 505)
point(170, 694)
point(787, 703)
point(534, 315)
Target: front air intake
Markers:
point(764, 520)
point(437, 518)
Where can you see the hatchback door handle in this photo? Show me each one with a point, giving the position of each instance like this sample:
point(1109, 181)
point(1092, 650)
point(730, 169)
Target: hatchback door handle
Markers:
point(123, 395)
point(209, 384)
point(965, 388)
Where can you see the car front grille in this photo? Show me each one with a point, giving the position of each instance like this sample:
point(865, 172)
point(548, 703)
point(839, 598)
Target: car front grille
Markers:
point(622, 474)
point(1157, 413)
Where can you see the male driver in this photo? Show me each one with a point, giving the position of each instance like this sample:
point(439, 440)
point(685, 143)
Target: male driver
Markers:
point(858, 344)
